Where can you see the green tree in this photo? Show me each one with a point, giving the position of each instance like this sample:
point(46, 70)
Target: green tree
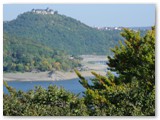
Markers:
point(136, 58)
point(20, 67)
point(133, 91)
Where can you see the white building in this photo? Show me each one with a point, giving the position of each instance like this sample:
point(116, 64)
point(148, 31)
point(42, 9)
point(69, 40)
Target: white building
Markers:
point(43, 11)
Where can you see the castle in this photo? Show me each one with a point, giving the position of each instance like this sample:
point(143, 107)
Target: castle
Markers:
point(44, 11)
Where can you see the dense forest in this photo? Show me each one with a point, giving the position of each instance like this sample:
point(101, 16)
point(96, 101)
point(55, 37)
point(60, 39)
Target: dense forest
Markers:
point(21, 54)
point(131, 93)
point(63, 33)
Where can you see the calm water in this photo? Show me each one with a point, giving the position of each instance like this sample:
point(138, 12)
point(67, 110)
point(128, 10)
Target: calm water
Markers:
point(70, 85)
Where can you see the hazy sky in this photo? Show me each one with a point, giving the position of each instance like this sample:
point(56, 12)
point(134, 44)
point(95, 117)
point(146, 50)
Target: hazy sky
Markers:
point(126, 15)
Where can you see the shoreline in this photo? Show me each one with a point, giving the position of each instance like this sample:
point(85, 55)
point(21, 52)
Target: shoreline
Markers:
point(44, 76)
point(87, 62)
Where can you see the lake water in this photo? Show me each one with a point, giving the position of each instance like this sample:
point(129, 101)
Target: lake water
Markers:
point(72, 85)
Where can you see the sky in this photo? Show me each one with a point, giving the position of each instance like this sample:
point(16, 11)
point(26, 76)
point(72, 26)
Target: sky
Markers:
point(100, 15)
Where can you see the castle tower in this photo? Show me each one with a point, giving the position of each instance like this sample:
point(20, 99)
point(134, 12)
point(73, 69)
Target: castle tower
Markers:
point(33, 10)
point(47, 9)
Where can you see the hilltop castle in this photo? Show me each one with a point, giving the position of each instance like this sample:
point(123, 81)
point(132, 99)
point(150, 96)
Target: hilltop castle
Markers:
point(44, 11)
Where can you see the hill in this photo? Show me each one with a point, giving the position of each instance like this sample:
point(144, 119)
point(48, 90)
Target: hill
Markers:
point(63, 33)
point(21, 54)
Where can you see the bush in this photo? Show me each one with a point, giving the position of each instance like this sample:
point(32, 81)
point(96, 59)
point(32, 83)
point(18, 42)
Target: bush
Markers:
point(41, 102)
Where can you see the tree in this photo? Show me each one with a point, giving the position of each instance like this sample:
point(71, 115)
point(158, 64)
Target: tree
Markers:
point(20, 67)
point(136, 58)
point(133, 91)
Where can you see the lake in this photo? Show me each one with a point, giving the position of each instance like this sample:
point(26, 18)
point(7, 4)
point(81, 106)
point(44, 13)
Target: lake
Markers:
point(72, 85)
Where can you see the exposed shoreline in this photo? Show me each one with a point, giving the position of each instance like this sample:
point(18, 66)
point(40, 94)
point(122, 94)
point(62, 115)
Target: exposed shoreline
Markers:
point(58, 75)
point(44, 76)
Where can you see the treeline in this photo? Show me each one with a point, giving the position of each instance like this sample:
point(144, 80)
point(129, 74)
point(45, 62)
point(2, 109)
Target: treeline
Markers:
point(131, 93)
point(21, 54)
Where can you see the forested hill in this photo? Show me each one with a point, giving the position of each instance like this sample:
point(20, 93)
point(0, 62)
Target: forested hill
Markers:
point(63, 33)
point(21, 54)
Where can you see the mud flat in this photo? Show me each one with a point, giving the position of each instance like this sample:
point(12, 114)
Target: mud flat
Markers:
point(44, 76)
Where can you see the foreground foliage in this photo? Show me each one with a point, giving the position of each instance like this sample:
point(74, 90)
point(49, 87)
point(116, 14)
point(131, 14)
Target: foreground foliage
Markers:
point(106, 98)
point(41, 102)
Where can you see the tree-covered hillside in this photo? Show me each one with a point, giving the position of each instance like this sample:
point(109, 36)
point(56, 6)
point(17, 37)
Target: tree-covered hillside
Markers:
point(21, 54)
point(62, 32)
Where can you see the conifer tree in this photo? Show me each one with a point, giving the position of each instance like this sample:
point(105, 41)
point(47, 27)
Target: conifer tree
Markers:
point(135, 58)
point(133, 91)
